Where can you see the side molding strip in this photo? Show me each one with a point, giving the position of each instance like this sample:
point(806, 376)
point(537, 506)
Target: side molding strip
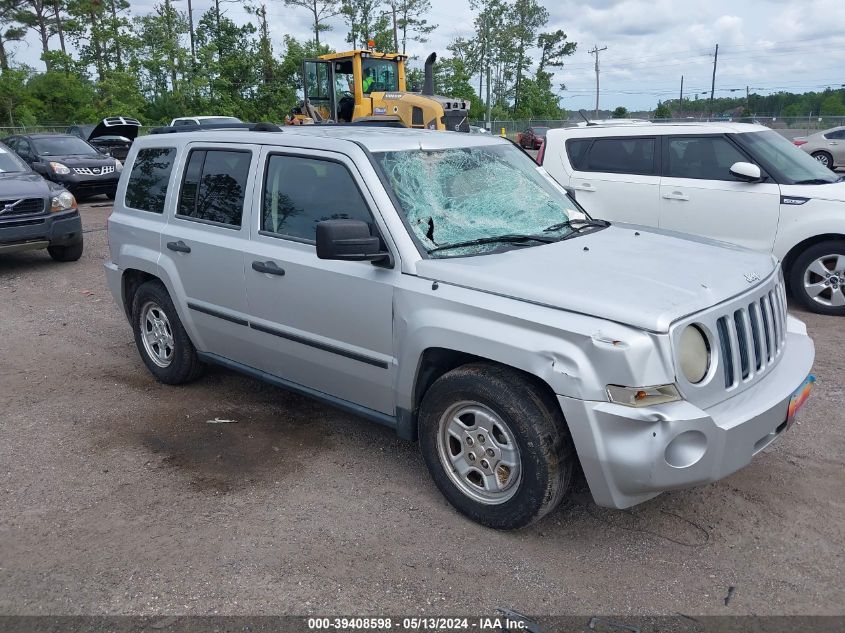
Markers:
point(375, 362)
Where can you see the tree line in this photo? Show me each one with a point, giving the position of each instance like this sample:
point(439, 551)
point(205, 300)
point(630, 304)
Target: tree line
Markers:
point(829, 102)
point(101, 59)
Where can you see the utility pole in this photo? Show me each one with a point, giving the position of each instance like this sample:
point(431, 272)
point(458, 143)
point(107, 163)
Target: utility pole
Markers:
point(713, 83)
point(596, 50)
point(681, 98)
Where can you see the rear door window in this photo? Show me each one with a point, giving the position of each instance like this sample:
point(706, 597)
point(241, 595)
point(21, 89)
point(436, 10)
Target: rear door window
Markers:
point(150, 177)
point(299, 192)
point(576, 149)
point(702, 157)
point(214, 186)
point(628, 155)
point(838, 135)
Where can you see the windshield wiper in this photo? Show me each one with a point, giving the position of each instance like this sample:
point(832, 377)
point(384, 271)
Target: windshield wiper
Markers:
point(577, 225)
point(508, 238)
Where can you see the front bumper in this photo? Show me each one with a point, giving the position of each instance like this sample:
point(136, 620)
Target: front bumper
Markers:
point(54, 229)
point(630, 455)
point(82, 185)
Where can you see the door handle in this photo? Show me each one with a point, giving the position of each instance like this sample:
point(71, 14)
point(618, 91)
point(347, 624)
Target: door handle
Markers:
point(584, 186)
point(675, 195)
point(268, 267)
point(179, 247)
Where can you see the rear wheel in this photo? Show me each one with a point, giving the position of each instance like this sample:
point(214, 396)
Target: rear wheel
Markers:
point(496, 445)
point(817, 278)
point(66, 253)
point(824, 158)
point(161, 339)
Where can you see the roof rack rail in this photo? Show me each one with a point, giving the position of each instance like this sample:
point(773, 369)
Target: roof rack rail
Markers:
point(198, 127)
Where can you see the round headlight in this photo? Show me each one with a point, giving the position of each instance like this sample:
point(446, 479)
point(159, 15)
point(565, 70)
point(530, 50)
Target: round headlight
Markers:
point(694, 354)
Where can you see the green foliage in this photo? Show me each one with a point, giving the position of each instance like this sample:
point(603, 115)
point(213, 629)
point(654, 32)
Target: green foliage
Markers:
point(662, 111)
point(620, 113)
point(780, 104)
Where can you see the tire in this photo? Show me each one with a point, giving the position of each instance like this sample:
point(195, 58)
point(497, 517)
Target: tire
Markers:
point(67, 253)
point(167, 351)
point(817, 278)
point(496, 409)
point(825, 159)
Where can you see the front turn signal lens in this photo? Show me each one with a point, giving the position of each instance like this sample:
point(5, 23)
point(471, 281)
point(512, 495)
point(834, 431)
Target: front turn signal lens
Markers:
point(642, 396)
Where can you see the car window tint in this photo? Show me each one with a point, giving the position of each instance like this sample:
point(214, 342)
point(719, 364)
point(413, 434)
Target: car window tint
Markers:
point(837, 135)
point(11, 143)
point(147, 186)
point(631, 155)
point(576, 148)
point(707, 158)
point(214, 186)
point(300, 192)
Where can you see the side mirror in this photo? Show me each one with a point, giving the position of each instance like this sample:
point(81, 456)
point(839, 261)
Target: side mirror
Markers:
point(746, 172)
point(348, 240)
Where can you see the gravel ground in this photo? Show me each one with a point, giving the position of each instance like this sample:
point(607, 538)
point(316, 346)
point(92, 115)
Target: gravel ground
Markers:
point(117, 496)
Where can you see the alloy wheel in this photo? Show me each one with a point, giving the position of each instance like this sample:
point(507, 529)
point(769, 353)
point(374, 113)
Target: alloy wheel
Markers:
point(824, 280)
point(156, 334)
point(479, 453)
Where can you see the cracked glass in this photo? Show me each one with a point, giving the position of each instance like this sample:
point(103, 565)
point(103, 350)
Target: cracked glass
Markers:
point(455, 195)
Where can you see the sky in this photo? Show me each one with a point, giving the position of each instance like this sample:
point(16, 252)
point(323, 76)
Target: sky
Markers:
point(764, 45)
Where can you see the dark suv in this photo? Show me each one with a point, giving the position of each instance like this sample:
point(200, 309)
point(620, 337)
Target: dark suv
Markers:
point(68, 160)
point(36, 213)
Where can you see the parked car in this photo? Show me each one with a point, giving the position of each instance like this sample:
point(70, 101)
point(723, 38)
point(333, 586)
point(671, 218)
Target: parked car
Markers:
point(199, 120)
point(532, 138)
point(36, 213)
point(475, 129)
point(69, 161)
point(735, 182)
point(827, 147)
point(112, 136)
point(443, 285)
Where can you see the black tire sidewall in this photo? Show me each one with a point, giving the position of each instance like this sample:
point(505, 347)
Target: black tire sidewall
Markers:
point(183, 366)
point(799, 266)
point(534, 427)
point(66, 252)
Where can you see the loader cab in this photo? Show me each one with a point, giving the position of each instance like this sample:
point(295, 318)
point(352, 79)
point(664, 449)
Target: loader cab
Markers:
point(339, 86)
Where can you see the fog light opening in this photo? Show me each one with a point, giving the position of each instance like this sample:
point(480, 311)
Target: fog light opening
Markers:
point(686, 449)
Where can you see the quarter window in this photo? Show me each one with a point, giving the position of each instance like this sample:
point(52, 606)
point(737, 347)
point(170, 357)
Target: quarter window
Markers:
point(630, 155)
point(705, 158)
point(300, 192)
point(214, 186)
point(577, 149)
point(147, 186)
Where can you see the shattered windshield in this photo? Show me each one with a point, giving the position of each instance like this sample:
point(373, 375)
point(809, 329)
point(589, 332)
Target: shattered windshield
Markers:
point(459, 195)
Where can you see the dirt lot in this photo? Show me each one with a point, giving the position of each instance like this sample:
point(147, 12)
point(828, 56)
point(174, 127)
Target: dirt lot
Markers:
point(117, 496)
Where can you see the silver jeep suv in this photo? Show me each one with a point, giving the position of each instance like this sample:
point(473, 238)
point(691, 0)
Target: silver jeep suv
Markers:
point(445, 286)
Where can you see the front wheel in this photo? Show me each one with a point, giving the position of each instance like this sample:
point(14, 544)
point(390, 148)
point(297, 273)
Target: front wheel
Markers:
point(824, 158)
point(496, 445)
point(817, 278)
point(66, 253)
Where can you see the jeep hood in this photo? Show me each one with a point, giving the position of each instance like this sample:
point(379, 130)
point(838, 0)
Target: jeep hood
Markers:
point(835, 191)
point(641, 277)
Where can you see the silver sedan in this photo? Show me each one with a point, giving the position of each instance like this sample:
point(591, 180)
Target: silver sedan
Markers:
point(827, 147)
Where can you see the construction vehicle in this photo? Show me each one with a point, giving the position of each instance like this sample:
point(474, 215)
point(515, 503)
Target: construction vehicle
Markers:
point(368, 87)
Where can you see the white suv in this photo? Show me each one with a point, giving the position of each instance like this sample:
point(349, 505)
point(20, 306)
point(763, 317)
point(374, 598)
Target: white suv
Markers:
point(734, 182)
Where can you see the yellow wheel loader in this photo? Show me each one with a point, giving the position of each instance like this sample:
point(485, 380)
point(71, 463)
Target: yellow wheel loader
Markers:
point(368, 87)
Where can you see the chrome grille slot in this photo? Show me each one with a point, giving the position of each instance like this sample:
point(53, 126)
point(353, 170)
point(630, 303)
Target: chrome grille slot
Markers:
point(757, 334)
point(747, 338)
